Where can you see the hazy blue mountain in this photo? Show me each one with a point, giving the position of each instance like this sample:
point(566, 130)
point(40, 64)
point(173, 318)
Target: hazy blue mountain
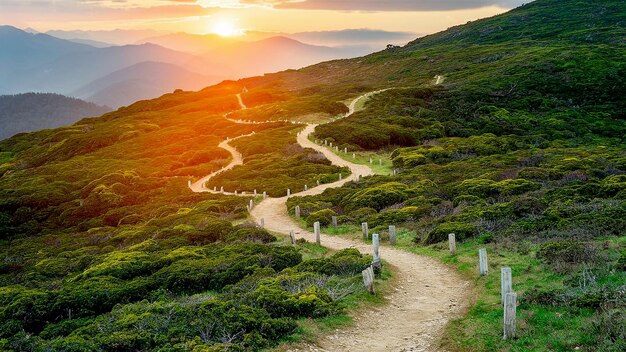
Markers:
point(36, 111)
point(42, 63)
point(22, 50)
point(242, 58)
point(277, 54)
point(142, 81)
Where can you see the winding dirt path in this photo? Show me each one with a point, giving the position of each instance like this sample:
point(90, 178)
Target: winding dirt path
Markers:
point(426, 293)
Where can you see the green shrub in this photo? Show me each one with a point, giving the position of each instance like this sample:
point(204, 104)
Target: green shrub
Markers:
point(378, 197)
point(397, 216)
point(567, 252)
point(362, 214)
point(323, 216)
point(440, 233)
point(468, 200)
point(251, 234)
point(344, 262)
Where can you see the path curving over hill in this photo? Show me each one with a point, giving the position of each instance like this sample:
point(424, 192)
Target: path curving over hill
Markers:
point(426, 293)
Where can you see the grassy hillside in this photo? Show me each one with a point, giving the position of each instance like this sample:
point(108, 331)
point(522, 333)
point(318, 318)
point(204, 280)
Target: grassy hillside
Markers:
point(104, 247)
point(520, 150)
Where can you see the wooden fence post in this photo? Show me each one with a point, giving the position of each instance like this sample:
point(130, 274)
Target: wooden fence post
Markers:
point(292, 236)
point(262, 222)
point(334, 221)
point(297, 212)
point(316, 230)
point(452, 243)
point(392, 235)
point(288, 192)
point(506, 282)
point(368, 279)
point(340, 177)
point(255, 192)
point(510, 310)
point(376, 244)
point(482, 262)
point(264, 194)
point(365, 231)
point(306, 188)
point(222, 189)
point(250, 205)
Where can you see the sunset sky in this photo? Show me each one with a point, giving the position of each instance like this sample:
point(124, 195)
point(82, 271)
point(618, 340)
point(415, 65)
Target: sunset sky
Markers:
point(235, 16)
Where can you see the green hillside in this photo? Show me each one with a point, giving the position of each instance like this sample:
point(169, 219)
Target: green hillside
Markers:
point(520, 149)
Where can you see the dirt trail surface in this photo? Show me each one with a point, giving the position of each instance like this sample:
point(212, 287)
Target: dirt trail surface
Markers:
point(426, 293)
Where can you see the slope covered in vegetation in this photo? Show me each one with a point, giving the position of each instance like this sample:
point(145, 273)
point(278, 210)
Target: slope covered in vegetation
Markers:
point(104, 247)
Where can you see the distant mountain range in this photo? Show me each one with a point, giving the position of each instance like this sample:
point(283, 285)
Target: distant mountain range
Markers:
point(250, 58)
point(141, 81)
point(119, 75)
point(36, 111)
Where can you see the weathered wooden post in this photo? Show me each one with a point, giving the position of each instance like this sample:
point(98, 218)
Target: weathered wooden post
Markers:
point(222, 189)
point(395, 172)
point(345, 150)
point(288, 192)
point(262, 222)
point(452, 243)
point(264, 194)
point(375, 244)
point(306, 188)
point(340, 177)
point(368, 279)
point(510, 311)
point(325, 142)
point(371, 161)
point(297, 212)
point(365, 231)
point(250, 205)
point(331, 144)
point(334, 221)
point(358, 178)
point(214, 188)
point(353, 156)
point(318, 182)
point(506, 282)
point(235, 192)
point(292, 236)
point(189, 183)
point(255, 192)
point(482, 262)
point(316, 231)
point(392, 235)
point(337, 148)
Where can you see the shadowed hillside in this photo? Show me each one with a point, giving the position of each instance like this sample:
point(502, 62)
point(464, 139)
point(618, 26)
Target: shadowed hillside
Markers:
point(36, 111)
point(517, 147)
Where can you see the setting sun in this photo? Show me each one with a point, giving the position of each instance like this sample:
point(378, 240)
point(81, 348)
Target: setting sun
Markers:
point(225, 28)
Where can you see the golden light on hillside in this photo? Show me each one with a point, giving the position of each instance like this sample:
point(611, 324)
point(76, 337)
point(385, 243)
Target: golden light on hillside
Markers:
point(225, 28)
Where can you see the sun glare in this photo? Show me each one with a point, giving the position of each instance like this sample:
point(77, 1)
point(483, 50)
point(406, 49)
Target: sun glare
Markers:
point(225, 28)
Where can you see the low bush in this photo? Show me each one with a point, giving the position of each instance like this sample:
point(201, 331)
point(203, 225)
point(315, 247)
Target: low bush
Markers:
point(323, 216)
point(440, 233)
